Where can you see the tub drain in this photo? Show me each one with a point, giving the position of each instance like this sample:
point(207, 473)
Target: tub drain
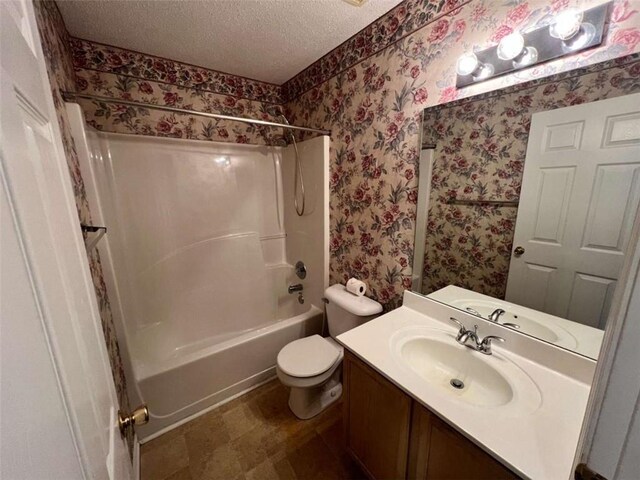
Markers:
point(455, 383)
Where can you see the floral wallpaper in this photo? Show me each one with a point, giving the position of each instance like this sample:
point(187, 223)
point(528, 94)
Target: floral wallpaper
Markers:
point(373, 107)
point(406, 18)
point(370, 92)
point(117, 73)
point(55, 44)
point(480, 148)
point(107, 59)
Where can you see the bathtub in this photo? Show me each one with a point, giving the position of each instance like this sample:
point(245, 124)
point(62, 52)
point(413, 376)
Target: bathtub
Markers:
point(197, 261)
point(179, 382)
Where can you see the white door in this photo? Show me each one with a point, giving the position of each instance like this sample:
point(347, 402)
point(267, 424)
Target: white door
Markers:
point(610, 439)
point(578, 202)
point(58, 410)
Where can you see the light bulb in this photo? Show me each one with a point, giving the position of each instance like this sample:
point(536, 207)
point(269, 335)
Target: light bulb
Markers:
point(586, 32)
point(510, 46)
point(566, 24)
point(484, 70)
point(529, 56)
point(467, 64)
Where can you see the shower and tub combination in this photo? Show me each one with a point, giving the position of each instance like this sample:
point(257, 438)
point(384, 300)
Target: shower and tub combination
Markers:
point(200, 254)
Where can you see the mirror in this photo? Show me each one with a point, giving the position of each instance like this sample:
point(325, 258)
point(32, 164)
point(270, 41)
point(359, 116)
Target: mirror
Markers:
point(527, 198)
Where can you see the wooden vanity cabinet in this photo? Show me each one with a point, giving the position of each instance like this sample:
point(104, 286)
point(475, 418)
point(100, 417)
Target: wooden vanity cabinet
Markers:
point(377, 421)
point(392, 436)
point(438, 452)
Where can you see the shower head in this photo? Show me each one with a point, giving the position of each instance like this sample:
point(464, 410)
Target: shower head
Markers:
point(282, 116)
point(273, 110)
point(286, 130)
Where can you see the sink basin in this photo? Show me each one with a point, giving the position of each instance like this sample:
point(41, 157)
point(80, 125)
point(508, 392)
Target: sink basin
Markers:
point(447, 365)
point(480, 381)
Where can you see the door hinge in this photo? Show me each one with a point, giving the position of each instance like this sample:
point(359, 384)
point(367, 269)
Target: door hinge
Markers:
point(583, 472)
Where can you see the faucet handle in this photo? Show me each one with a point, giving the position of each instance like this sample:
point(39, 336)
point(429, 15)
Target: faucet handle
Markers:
point(463, 329)
point(488, 338)
point(463, 333)
point(485, 344)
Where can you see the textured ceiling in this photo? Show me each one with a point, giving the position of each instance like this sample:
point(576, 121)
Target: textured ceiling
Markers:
point(268, 40)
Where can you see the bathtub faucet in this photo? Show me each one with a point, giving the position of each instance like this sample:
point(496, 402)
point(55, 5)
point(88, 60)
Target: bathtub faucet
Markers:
point(295, 288)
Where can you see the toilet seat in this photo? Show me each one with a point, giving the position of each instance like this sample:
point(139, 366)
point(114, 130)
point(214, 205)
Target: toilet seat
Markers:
point(308, 357)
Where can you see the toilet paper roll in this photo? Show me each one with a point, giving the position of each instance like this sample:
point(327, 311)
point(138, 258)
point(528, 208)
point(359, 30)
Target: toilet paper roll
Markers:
point(356, 287)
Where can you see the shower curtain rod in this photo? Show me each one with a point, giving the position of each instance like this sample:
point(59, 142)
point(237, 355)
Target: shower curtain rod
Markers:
point(72, 95)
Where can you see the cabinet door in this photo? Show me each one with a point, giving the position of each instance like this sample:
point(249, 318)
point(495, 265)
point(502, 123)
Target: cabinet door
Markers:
point(377, 417)
point(438, 452)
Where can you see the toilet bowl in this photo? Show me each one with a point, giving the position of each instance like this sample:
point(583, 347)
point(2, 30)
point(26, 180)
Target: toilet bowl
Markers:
point(312, 366)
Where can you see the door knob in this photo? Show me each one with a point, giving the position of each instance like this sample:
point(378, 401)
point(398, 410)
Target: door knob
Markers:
point(139, 416)
point(518, 251)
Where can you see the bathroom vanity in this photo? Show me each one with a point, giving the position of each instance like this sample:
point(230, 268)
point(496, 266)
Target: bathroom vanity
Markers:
point(419, 405)
point(393, 436)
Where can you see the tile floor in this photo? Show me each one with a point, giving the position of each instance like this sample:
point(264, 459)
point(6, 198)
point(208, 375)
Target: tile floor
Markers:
point(252, 437)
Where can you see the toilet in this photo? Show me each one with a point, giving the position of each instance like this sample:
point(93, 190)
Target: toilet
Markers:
point(311, 366)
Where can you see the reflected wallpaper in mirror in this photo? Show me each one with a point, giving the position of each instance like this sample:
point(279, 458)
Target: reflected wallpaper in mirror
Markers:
point(574, 198)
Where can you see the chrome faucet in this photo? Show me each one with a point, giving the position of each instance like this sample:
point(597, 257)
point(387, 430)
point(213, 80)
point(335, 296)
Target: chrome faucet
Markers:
point(496, 314)
point(470, 338)
point(295, 288)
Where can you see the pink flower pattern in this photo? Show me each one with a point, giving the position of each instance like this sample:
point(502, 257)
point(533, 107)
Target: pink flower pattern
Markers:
point(373, 200)
point(107, 59)
point(368, 91)
point(406, 18)
point(117, 118)
point(480, 150)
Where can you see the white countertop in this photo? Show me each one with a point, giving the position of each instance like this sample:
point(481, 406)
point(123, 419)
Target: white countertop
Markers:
point(538, 444)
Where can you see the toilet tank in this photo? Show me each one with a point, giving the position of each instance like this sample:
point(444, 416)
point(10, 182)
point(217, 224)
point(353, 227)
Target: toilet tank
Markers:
point(346, 311)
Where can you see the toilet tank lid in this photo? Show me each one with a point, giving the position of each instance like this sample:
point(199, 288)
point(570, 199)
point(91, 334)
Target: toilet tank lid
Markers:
point(360, 306)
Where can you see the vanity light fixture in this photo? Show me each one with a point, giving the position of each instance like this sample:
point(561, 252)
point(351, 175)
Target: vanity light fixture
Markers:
point(570, 31)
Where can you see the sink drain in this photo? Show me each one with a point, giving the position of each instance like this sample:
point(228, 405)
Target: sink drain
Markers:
point(455, 383)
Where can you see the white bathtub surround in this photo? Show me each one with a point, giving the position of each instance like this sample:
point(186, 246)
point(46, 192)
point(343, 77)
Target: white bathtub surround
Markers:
point(308, 235)
point(198, 258)
point(312, 367)
point(531, 424)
